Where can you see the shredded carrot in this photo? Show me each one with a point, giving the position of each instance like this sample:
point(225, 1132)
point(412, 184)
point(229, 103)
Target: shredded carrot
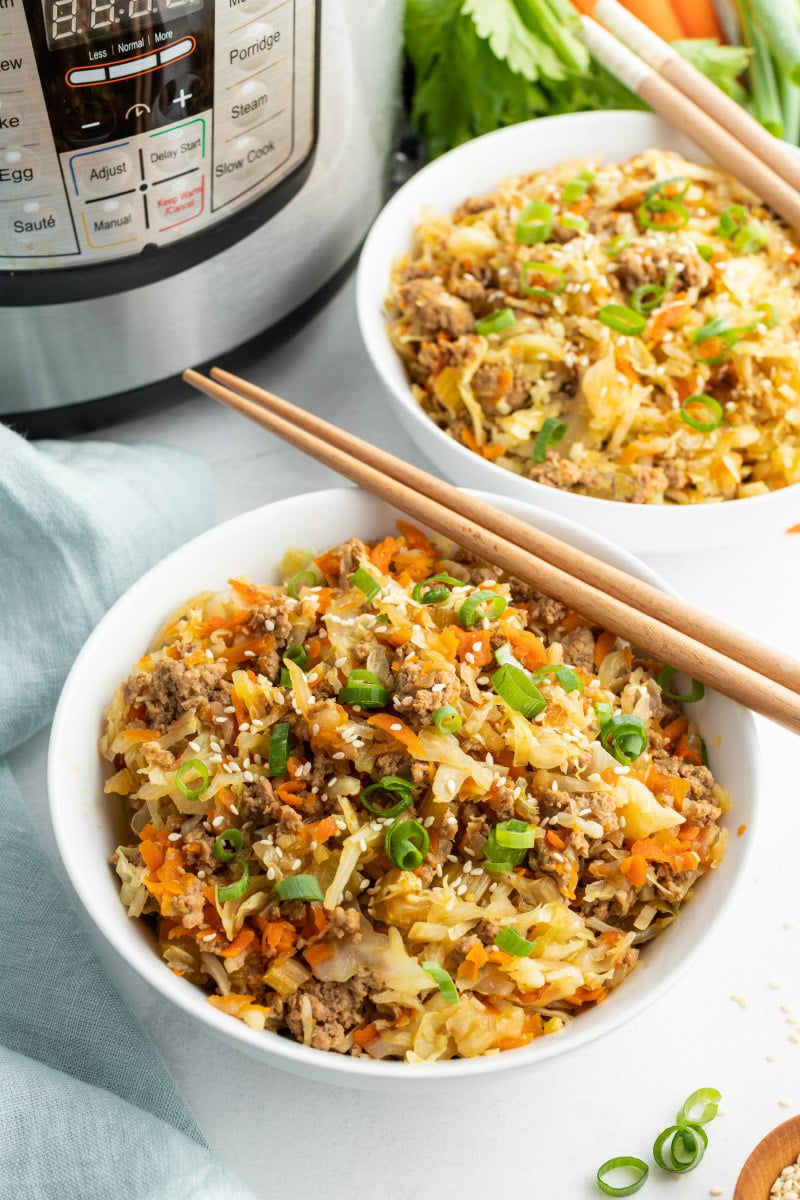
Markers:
point(215, 623)
point(528, 647)
point(555, 840)
point(239, 943)
point(449, 640)
point(324, 597)
point(329, 564)
point(634, 869)
point(279, 936)
point(226, 798)
point(382, 554)
point(467, 643)
point(234, 1004)
point(323, 830)
point(363, 1037)
point(669, 316)
point(399, 731)
point(318, 953)
point(585, 995)
point(684, 750)
point(742, 829)
point(242, 651)
point(140, 735)
point(672, 852)
point(287, 792)
point(468, 439)
point(674, 730)
point(603, 646)
point(574, 620)
point(416, 538)
point(793, 529)
point(513, 1043)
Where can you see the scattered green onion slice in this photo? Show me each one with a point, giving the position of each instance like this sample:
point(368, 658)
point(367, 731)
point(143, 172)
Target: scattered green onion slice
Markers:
point(650, 295)
point(712, 406)
point(443, 981)
point(622, 319)
point(666, 215)
point(577, 188)
point(498, 868)
point(199, 768)
point(706, 252)
point(770, 318)
point(296, 654)
point(715, 330)
point(624, 1162)
point(569, 681)
point(518, 690)
point(285, 678)
point(366, 583)
point(496, 322)
point(447, 719)
point(481, 605)
point(625, 737)
point(573, 221)
point(514, 943)
point(425, 593)
point(392, 784)
point(616, 245)
point(515, 839)
point(658, 194)
point(551, 433)
point(278, 749)
point(731, 221)
point(535, 223)
point(541, 268)
point(235, 891)
point(228, 845)
point(406, 844)
point(299, 887)
point(504, 654)
point(751, 238)
point(364, 688)
point(664, 679)
point(680, 1148)
point(709, 1098)
point(307, 578)
point(603, 713)
point(502, 858)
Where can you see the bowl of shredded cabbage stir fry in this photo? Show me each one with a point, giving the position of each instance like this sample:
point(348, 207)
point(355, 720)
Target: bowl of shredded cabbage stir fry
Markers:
point(370, 807)
point(599, 326)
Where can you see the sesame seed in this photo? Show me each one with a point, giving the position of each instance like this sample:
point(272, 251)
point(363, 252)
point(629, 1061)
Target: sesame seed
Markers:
point(784, 1104)
point(208, 937)
point(229, 709)
point(216, 758)
point(739, 999)
point(249, 653)
point(174, 837)
point(715, 1191)
point(338, 754)
point(210, 654)
point(220, 720)
point(270, 872)
point(194, 746)
point(396, 727)
point(248, 776)
point(234, 810)
point(218, 821)
point(244, 727)
point(297, 864)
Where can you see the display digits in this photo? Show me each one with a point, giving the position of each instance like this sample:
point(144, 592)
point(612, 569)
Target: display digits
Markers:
point(101, 15)
point(64, 15)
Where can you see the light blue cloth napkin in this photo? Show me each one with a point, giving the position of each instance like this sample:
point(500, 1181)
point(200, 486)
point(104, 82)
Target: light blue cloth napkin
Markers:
point(88, 1110)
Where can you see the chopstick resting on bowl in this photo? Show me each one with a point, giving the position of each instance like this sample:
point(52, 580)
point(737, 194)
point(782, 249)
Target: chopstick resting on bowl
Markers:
point(730, 662)
point(759, 170)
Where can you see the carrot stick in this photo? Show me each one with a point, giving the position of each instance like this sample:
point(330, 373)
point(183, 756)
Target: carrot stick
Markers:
point(698, 18)
point(658, 15)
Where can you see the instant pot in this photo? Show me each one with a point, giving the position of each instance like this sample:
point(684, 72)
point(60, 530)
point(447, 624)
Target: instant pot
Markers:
point(176, 176)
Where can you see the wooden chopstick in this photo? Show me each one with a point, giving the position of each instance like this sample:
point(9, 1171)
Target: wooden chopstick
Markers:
point(659, 55)
point(669, 645)
point(633, 592)
point(676, 107)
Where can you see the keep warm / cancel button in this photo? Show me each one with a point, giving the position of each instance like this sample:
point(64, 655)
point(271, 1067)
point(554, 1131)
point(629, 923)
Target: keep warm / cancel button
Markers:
point(179, 200)
point(249, 160)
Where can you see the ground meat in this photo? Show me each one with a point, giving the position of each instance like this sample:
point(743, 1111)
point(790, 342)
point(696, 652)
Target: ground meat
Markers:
point(462, 949)
point(495, 394)
point(545, 613)
point(350, 555)
point(486, 932)
point(322, 769)
point(258, 803)
point(473, 205)
point(414, 696)
point(700, 779)
point(172, 689)
point(556, 472)
point(272, 617)
point(198, 851)
point(563, 233)
point(700, 812)
point(431, 309)
point(648, 482)
point(344, 922)
point(677, 476)
point(468, 288)
point(676, 886)
point(604, 809)
point(336, 1008)
point(578, 648)
point(551, 802)
point(361, 651)
point(639, 265)
point(394, 763)
point(502, 802)
point(433, 356)
point(156, 756)
point(474, 830)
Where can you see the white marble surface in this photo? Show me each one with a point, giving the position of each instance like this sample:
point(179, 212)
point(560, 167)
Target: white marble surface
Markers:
point(541, 1135)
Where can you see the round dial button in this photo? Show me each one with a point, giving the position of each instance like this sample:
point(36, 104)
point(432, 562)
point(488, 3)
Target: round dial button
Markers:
point(89, 121)
point(180, 97)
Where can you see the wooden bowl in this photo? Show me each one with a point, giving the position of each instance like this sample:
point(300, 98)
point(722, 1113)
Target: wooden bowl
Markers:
point(774, 1152)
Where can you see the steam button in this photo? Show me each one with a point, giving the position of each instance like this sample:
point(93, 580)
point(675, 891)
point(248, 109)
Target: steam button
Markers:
point(249, 103)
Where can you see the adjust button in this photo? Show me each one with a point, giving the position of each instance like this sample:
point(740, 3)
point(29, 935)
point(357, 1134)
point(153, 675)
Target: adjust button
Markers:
point(102, 172)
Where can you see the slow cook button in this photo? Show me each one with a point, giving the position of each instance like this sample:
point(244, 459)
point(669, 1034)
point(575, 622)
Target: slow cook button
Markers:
point(178, 200)
point(103, 172)
point(112, 222)
point(249, 103)
point(20, 172)
point(176, 149)
point(36, 228)
point(255, 46)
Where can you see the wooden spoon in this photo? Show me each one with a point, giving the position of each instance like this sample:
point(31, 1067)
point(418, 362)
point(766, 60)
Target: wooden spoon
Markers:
point(774, 1152)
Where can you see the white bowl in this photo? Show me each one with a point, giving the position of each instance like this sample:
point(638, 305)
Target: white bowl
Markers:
point(474, 169)
point(87, 822)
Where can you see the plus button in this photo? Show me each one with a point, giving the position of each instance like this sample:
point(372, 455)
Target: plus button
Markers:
point(182, 97)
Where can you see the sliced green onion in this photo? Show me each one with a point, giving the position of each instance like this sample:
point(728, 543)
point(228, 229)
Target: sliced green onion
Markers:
point(573, 221)
point(616, 245)
point(285, 678)
point(752, 237)
point(665, 215)
point(650, 295)
point(771, 317)
point(235, 891)
point(680, 1148)
point(715, 330)
point(364, 688)
point(299, 887)
point(622, 319)
point(569, 681)
point(447, 719)
point(496, 322)
point(481, 605)
point(515, 839)
point(535, 223)
point(296, 654)
point(625, 1162)
point(625, 737)
point(514, 943)
point(706, 252)
point(577, 188)
point(307, 578)
point(505, 857)
point(425, 593)
point(504, 654)
point(658, 193)
point(551, 433)
point(518, 690)
point(498, 868)
point(228, 845)
point(406, 844)
point(731, 221)
point(712, 406)
point(709, 1098)
point(394, 785)
point(664, 679)
point(199, 768)
point(365, 583)
point(541, 268)
point(443, 981)
point(603, 713)
point(278, 749)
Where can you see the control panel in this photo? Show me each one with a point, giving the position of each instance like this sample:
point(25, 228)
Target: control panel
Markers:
point(127, 124)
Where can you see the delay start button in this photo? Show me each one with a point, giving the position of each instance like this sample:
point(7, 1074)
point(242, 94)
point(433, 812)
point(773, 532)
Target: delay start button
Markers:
point(177, 149)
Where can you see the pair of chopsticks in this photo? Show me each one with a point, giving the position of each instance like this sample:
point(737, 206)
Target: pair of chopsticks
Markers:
point(682, 95)
point(666, 628)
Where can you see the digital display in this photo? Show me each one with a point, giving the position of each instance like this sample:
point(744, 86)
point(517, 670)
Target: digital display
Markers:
point(70, 22)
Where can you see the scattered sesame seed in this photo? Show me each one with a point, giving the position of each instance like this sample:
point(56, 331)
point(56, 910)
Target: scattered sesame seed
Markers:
point(771, 1058)
point(218, 821)
point(174, 837)
point(338, 754)
point(784, 1104)
point(210, 654)
point(773, 983)
point(297, 864)
point(715, 1191)
point(740, 1000)
point(270, 872)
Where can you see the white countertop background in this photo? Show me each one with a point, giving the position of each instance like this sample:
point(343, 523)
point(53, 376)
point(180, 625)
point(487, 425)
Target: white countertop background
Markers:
point(537, 1135)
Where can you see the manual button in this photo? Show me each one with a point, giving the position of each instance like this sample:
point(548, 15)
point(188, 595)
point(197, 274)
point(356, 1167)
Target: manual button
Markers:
point(104, 172)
